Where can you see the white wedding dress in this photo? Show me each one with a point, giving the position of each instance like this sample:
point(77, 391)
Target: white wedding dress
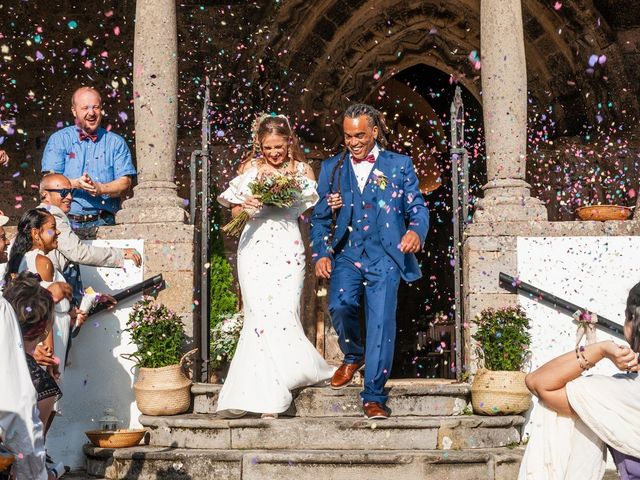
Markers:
point(273, 355)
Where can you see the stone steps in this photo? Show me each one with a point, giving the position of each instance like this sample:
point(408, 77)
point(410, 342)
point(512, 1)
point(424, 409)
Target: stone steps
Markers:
point(151, 463)
point(336, 433)
point(415, 398)
point(324, 436)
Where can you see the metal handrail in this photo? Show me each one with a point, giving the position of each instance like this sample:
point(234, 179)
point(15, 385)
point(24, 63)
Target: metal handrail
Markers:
point(514, 285)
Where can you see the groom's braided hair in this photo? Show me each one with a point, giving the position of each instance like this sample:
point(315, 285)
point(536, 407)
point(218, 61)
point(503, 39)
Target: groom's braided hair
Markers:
point(375, 118)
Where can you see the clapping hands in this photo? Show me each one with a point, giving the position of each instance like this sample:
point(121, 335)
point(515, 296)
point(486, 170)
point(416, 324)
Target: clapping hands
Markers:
point(86, 183)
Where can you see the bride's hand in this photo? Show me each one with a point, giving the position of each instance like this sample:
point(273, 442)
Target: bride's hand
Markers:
point(251, 205)
point(334, 200)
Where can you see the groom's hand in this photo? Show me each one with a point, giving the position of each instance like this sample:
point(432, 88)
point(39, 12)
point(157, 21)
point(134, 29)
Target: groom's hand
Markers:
point(323, 268)
point(410, 242)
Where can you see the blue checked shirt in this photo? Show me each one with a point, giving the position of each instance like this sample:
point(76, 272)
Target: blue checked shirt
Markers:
point(106, 160)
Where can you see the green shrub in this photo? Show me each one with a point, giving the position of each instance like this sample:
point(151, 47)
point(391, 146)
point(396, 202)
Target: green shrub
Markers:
point(223, 300)
point(503, 337)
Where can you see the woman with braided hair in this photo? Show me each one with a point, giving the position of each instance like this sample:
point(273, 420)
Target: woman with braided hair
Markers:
point(369, 222)
point(273, 355)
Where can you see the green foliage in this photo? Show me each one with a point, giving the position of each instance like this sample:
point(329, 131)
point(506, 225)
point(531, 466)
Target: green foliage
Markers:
point(222, 297)
point(223, 300)
point(224, 338)
point(157, 332)
point(503, 336)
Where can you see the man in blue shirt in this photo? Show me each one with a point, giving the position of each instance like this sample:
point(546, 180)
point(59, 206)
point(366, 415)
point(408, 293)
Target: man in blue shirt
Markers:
point(96, 161)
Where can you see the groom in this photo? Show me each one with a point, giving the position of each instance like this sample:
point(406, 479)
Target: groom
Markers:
point(369, 222)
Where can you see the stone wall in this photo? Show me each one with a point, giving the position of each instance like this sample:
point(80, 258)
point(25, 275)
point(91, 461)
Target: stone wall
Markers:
point(489, 249)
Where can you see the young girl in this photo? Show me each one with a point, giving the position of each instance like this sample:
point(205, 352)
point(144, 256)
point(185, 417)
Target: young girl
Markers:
point(37, 235)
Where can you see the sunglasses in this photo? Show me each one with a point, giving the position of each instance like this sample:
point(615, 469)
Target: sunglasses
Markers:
point(62, 191)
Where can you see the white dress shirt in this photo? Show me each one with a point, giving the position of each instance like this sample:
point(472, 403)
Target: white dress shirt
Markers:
point(20, 427)
point(362, 170)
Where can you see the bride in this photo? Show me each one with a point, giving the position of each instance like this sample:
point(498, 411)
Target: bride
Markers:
point(273, 355)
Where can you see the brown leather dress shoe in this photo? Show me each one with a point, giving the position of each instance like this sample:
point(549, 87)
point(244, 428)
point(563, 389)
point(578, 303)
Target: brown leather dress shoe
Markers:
point(344, 374)
point(375, 411)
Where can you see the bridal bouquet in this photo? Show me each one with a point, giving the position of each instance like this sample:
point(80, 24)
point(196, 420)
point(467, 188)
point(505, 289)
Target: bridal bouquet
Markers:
point(274, 189)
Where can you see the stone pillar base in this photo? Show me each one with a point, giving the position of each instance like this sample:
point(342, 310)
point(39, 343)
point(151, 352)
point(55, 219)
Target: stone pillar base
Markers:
point(509, 200)
point(169, 250)
point(153, 202)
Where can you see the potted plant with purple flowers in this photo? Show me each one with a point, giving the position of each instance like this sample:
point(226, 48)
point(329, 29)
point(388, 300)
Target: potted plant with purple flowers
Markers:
point(161, 388)
point(503, 340)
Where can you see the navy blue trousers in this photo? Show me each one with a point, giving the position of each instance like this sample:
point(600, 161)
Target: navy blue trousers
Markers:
point(376, 282)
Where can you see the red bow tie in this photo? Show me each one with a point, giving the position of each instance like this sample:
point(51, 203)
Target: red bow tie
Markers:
point(369, 158)
point(87, 136)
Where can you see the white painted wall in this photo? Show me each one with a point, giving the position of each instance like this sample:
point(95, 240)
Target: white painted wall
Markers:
point(97, 377)
point(593, 272)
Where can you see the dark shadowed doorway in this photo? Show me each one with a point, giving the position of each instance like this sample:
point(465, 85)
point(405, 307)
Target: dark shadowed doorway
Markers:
point(417, 106)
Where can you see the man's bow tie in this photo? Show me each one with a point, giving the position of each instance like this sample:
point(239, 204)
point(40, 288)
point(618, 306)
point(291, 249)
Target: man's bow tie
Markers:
point(369, 159)
point(87, 136)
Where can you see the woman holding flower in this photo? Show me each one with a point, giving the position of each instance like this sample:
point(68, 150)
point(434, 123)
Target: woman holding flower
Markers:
point(274, 187)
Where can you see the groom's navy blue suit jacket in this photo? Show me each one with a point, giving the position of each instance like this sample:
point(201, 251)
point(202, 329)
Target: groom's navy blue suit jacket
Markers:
point(399, 207)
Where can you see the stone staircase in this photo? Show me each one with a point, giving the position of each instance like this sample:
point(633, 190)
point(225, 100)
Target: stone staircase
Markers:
point(324, 436)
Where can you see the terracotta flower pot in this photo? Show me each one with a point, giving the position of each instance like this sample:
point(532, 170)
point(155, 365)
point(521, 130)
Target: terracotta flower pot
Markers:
point(601, 213)
point(499, 393)
point(162, 391)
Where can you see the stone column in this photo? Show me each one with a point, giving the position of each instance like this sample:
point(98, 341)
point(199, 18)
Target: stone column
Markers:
point(155, 85)
point(504, 92)
point(156, 214)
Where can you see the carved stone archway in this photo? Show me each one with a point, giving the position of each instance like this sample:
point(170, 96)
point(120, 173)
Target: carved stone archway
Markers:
point(339, 52)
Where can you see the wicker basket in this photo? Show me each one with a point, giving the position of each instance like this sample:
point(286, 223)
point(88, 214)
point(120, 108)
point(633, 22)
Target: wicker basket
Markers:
point(162, 391)
point(601, 213)
point(116, 438)
point(499, 393)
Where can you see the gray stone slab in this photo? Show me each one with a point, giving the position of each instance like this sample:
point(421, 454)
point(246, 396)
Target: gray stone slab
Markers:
point(151, 463)
point(146, 463)
point(339, 433)
point(188, 431)
point(400, 465)
point(406, 398)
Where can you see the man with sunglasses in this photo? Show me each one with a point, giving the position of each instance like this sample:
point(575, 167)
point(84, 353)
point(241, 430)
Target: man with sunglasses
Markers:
point(56, 195)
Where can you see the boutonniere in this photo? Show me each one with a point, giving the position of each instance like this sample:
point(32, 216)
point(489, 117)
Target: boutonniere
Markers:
point(379, 179)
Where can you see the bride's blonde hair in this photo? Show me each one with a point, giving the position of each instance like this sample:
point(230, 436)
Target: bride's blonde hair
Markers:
point(268, 124)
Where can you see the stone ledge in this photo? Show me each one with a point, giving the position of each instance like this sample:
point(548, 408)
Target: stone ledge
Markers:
point(396, 433)
point(159, 233)
point(406, 398)
point(146, 463)
point(553, 229)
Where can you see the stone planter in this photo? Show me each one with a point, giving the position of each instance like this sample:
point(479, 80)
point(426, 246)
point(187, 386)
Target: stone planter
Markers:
point(499, 393)
point(162, 391)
